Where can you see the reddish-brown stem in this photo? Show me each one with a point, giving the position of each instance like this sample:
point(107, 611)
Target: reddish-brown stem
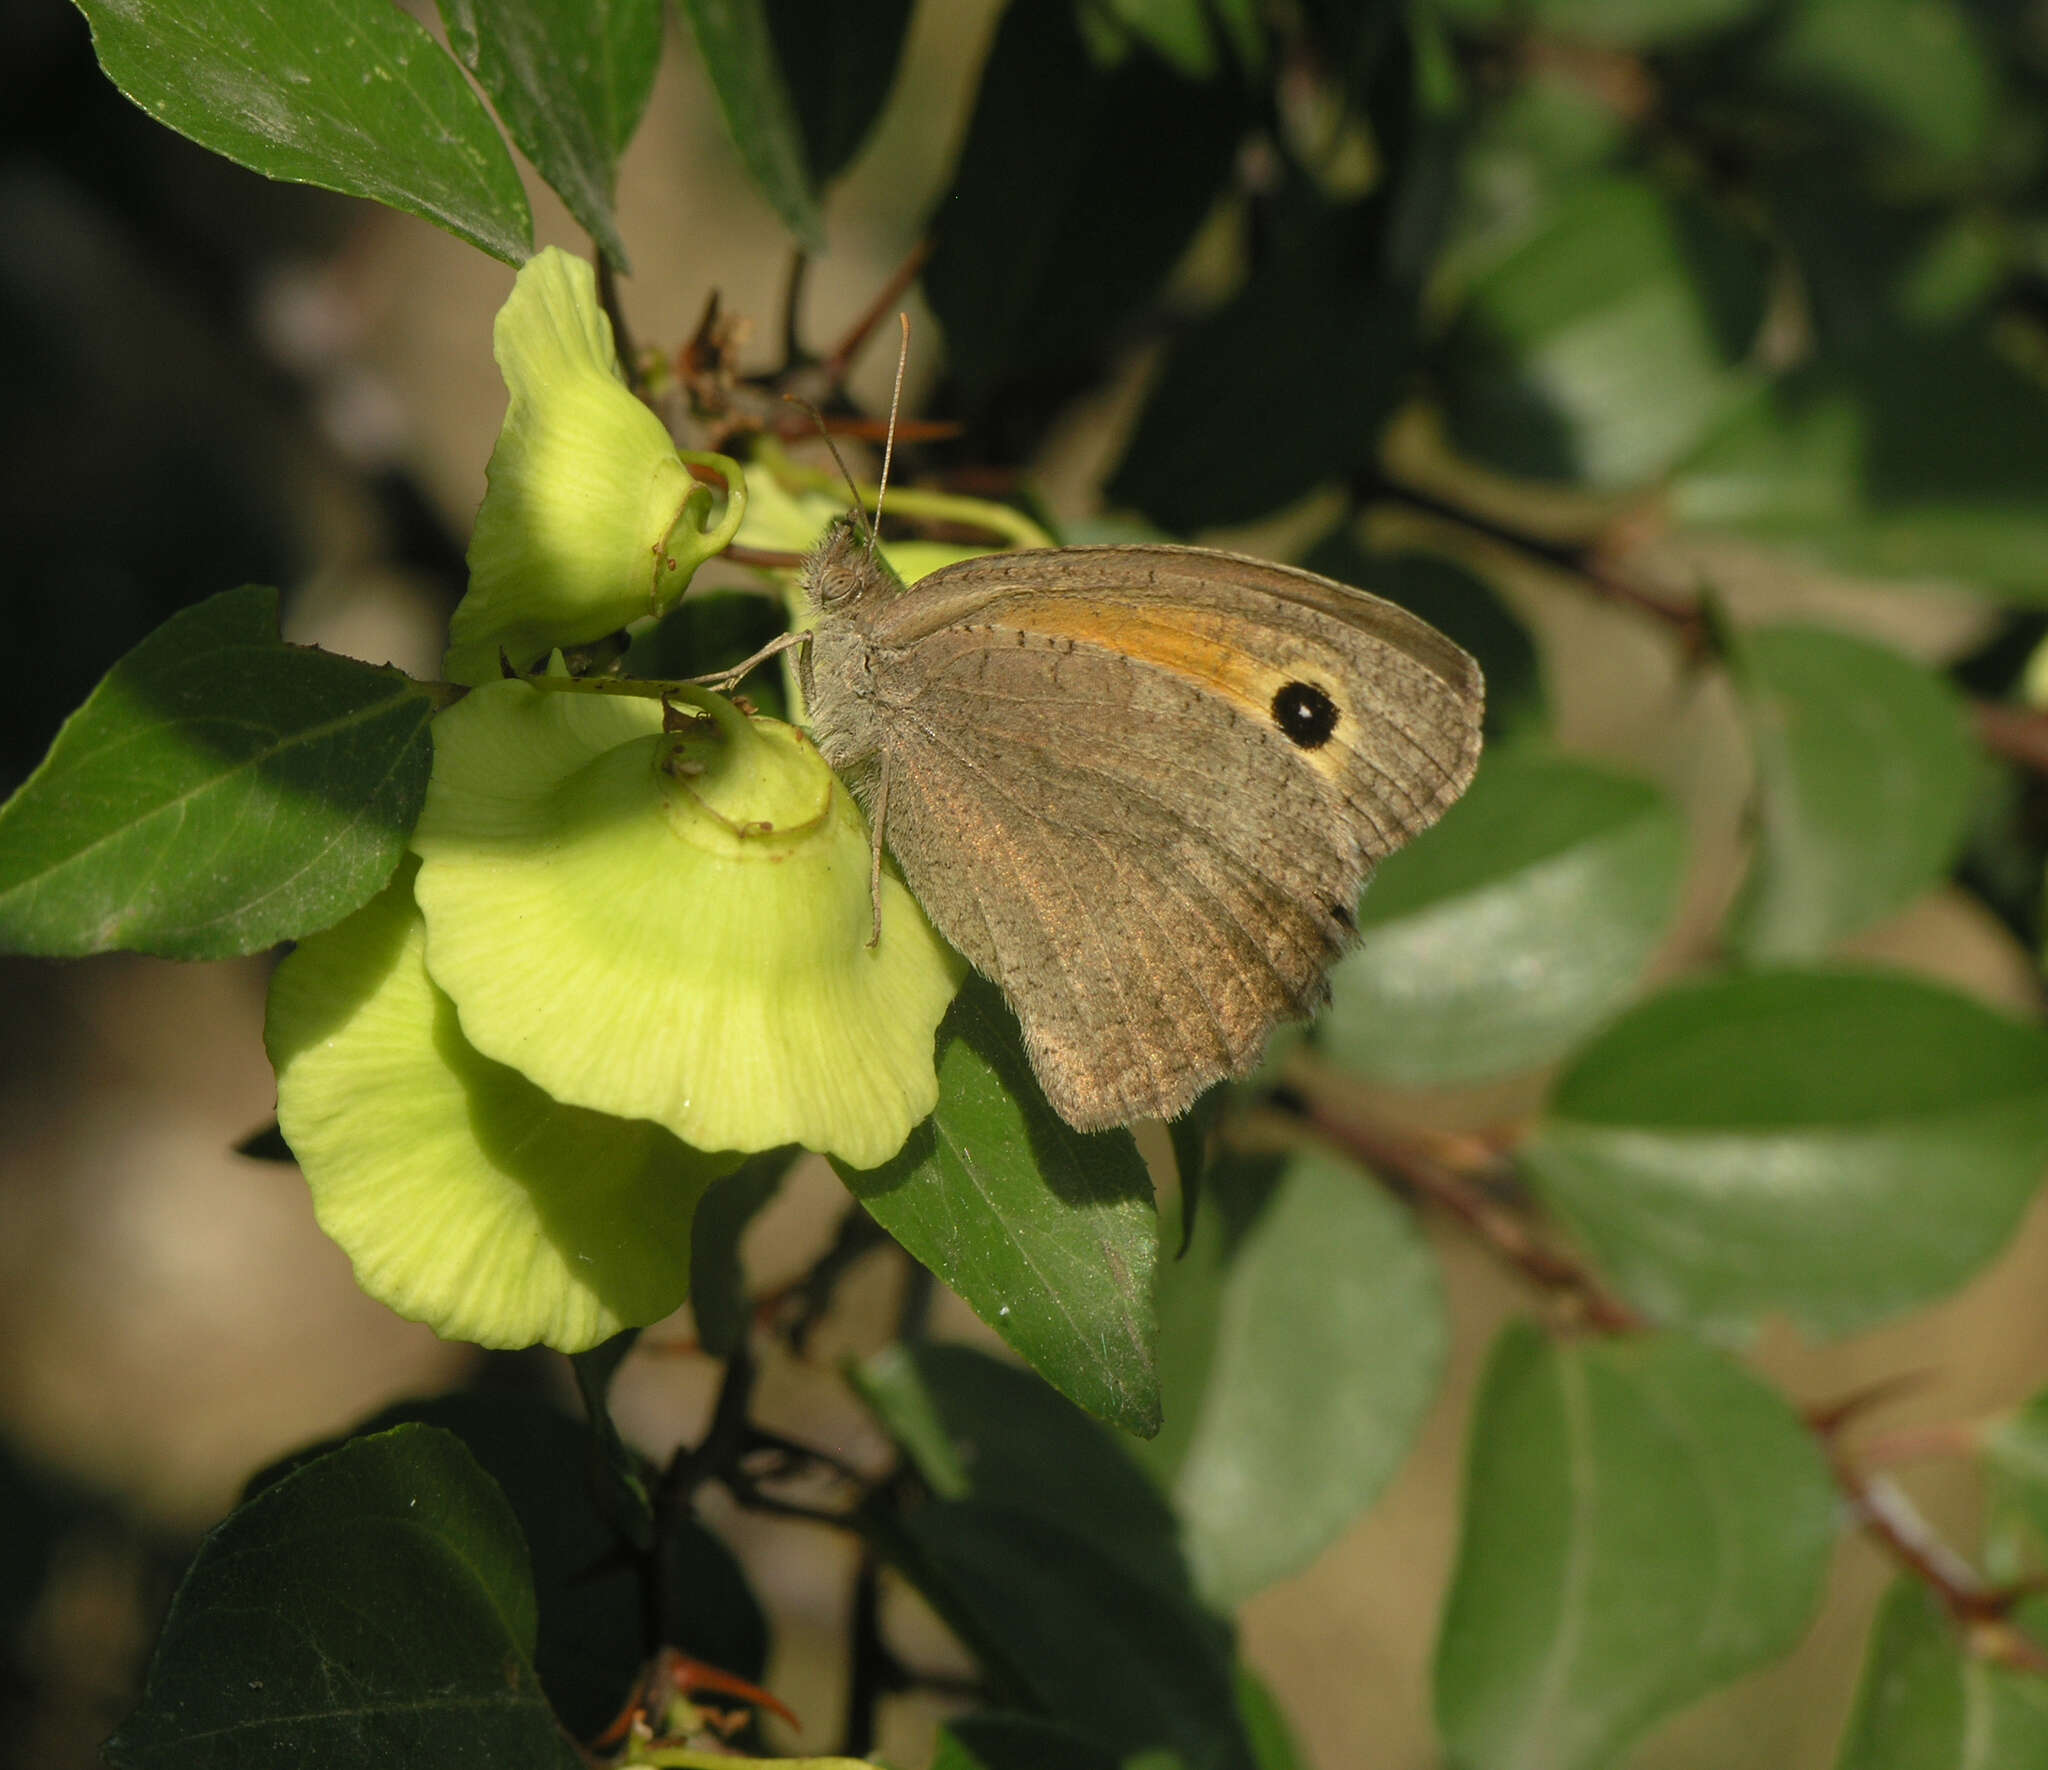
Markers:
point(2017, 733)
point(1500, 1228)
point(840, 358)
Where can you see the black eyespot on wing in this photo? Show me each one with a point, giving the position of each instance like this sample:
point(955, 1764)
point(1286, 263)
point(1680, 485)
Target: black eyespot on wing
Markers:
point(1305, 714)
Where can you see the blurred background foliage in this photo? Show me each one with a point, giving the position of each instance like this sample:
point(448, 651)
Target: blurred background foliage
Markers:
point(1685, 359)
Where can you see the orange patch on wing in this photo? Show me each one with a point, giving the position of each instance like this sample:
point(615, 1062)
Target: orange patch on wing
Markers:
point(1204, 645)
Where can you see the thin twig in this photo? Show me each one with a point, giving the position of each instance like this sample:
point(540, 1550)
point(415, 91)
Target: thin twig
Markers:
point(1500, 1228)
point(2019, 734)
point(840, 358)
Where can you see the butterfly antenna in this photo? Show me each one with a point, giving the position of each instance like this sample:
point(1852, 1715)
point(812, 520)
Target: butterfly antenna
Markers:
point(889, 437)
point(838, 460)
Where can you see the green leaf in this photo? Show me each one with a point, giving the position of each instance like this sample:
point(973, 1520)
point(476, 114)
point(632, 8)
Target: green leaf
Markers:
point(980, 1428)
point(839, 62)
point(1842, 1146)
point(350, 95)
point(1609, 343)
point(1919, 458)
point(1329, 1344)
point(1620, 24)
point(1077, 1635)
point(1501, 938)
point(570, 78)
point(998, 1741)
point(1047, 1233)
point(219, 791)
point(1910, 70)
point(373, 1607)
point(2012, 1451)
point(1063, 214)
point(586, 1581)
point(1925, 1704)
point(718, 1287)
point(1864, 774)
point(733, 39)
point(1273, 1744)
point(1643, 1521)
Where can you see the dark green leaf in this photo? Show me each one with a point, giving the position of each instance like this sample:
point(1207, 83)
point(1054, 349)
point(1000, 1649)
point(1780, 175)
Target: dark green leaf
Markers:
point(1643, 1521)
point(1077, 1635)
point(1273, 1746)
point(1457, 603)
point(1298, 372)
point(1925, 1704)
point(374, 1607)
point(1921, 458)
point(739, 55)
point(1523, 157)
point(570, 79)
point(351, 95)
point(718, 1285)
point(1621, 24)
point(219, 791)
point(1501, 938)
point(1064, 214)
point(1608, 344)
point(840, 62)
point(1004, 1438)
point(1839, 1145)
point(627, 1496)
point(1329, 1344)
point(1016, 1742)
point(1864, 770)
point(1047, 1233)
point(1909, 70)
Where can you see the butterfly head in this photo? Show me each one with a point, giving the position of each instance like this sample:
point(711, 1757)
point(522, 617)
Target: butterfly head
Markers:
point(845, 571)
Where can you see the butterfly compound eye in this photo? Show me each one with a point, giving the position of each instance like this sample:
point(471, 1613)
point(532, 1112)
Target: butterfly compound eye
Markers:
point(1305, 715)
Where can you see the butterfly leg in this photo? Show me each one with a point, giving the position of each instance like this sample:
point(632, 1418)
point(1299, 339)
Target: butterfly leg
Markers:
point(875, 855)
point(722, 680)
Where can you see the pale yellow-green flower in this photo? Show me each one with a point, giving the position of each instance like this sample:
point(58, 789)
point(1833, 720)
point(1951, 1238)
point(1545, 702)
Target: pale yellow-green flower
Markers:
point(466, 1198)
point(592, 519)
point(673, 925)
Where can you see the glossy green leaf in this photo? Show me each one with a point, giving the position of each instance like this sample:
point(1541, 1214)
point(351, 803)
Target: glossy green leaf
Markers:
point(718, 1290)
point(1609, 343)
point(1643, 1521)
point(1841, 1146)
point(351, 95)
point(219, 791)
point(1330, 1338)
point(738, 53)
point(570, 79)
point(585, 1580)
point(980, 1428)
point(1501, 938)
point(373, 1607)
point(1920, 458)
point(1925, 1704)
point(839, 62)
point(1076, 1635)
point(1864, 774)
point(1046, 1232)
point(1063, 215)
point(1911, 71)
